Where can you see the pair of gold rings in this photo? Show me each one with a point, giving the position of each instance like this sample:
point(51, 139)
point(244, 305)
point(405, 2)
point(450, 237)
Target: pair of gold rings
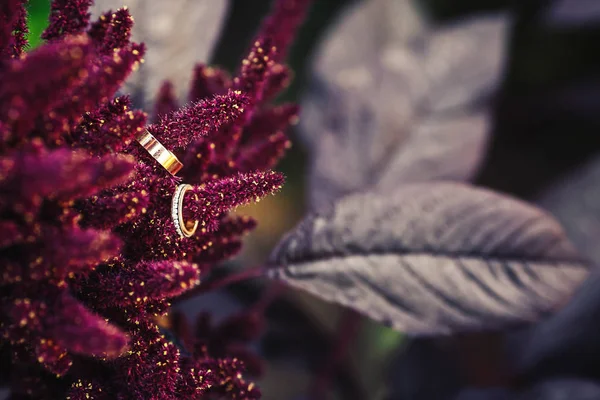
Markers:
point(172, 164)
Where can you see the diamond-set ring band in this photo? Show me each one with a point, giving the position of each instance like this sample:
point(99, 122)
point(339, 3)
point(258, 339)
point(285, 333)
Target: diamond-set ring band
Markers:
point(177, 212)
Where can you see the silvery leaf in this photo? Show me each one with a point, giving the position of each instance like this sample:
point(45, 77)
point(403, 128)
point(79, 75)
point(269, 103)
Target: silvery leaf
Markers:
point(433, 258)
point(391, 95)
point(177, 33)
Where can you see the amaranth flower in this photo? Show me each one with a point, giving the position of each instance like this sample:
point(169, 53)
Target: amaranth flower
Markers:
point(90, 256)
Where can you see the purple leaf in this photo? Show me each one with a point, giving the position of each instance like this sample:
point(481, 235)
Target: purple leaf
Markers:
point(548, 347)
point(575, 202)
point(573, 13)
point(562, 389)
point(433, 258)
point(394, 100)
point(566, 343)
point(424, 370)
point(485, 394)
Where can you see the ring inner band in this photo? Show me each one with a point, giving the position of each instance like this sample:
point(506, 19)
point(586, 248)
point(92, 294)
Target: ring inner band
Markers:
point(160, 153)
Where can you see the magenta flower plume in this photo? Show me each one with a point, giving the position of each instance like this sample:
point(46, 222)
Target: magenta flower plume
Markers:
point(13, 28)
point(182, 126)
point(89, 253)
point(44, 248)
point(67, 18)
point(165, 101)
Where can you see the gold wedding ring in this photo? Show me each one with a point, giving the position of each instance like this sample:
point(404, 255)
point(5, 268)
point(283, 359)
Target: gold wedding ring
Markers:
point(160, 153)
point(177, 212)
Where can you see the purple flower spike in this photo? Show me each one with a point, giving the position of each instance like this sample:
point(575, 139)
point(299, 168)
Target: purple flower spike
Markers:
point(67, 17)
point(104, 77)
point(13, 28)
point(220, 196)
point(117, 33)
point(113, 209)
point(227, 381)
point(256, 68)
point(280, 77)
point(165, 101)
point(146, 282)
point(269, 121)
point(75, 328)
point(263, 155)
point(111, 129)
point(85, 390)
point(27, 94)
point(151, 368)
point(61, 174)
point(188, 123)
point(283, 22)
point(208, 81)
point(225, 242)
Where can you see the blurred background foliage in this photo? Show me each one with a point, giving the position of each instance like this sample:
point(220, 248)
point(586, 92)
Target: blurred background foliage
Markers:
point(541, 62)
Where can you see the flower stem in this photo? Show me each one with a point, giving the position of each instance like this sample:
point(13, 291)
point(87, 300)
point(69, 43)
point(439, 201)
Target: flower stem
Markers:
point(269, 295)
point(211, 285)
point(346, 333)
